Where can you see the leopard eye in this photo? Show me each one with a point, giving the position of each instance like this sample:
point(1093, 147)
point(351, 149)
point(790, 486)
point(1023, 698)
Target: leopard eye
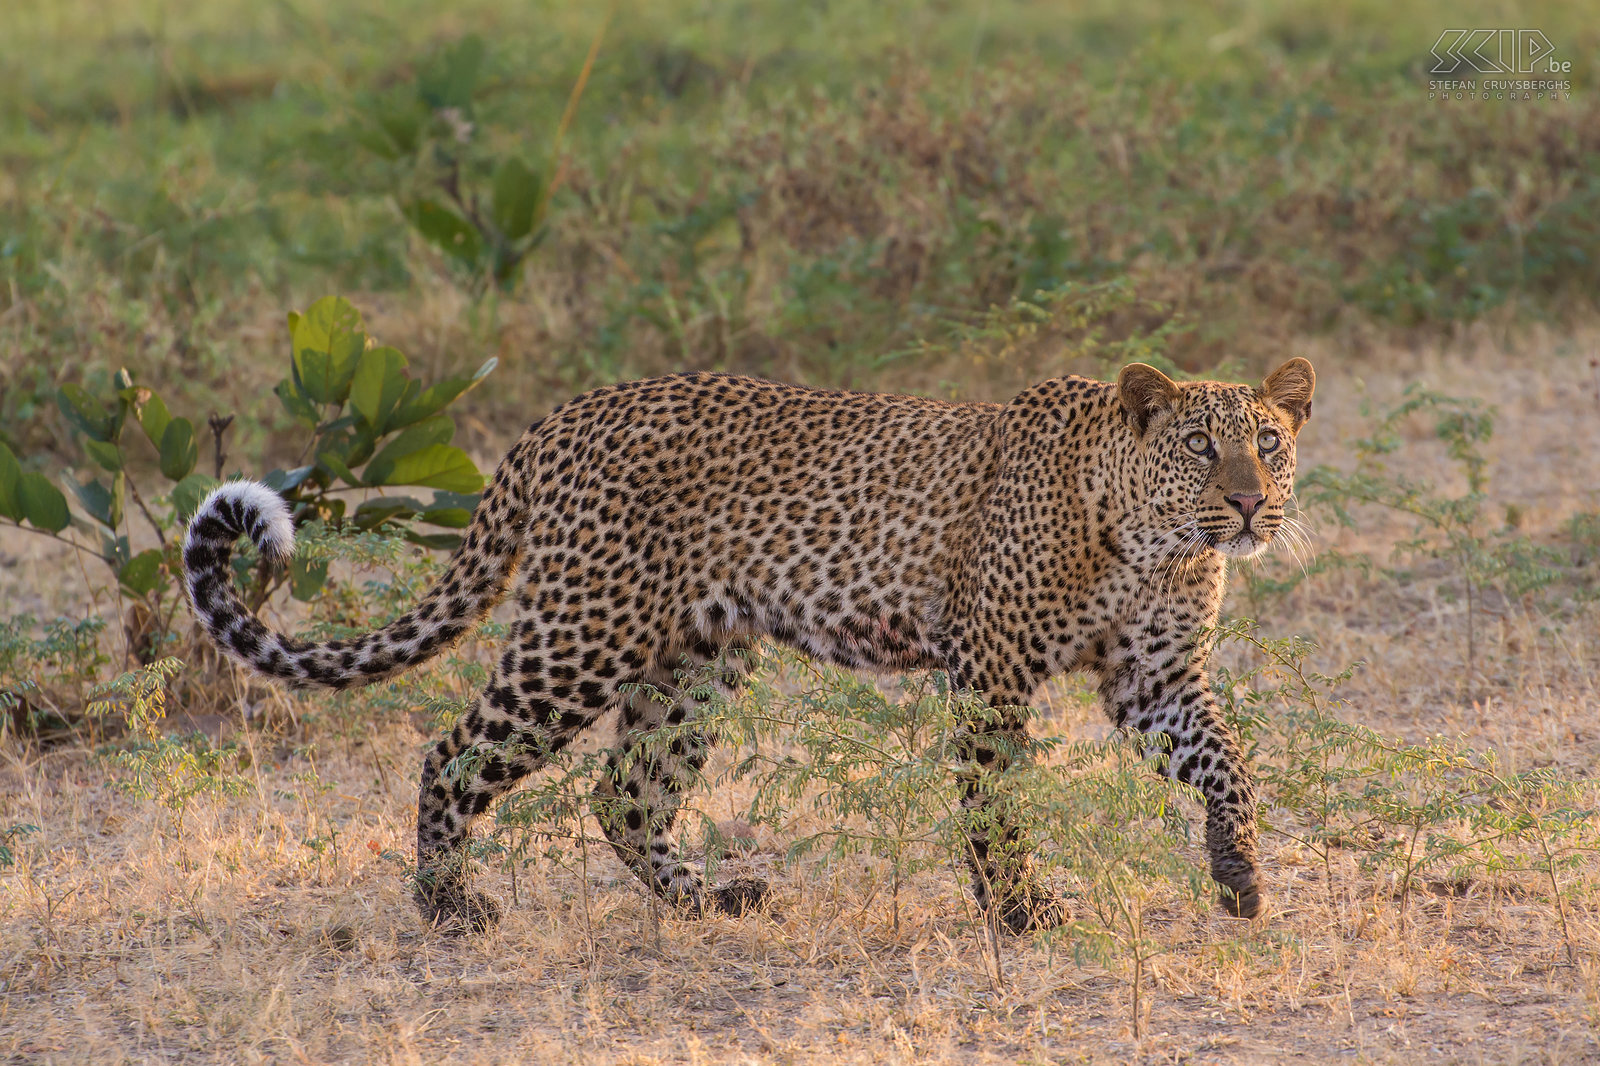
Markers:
point(1268, 441)
point(1198, 443)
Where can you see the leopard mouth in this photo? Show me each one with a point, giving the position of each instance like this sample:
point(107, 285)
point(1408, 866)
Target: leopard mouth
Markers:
point(1245, 544)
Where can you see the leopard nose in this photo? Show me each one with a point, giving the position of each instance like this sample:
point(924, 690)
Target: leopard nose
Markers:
point(1245, 503)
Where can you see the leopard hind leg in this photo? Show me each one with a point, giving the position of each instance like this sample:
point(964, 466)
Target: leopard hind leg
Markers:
point(534, 706)
point(640, 793)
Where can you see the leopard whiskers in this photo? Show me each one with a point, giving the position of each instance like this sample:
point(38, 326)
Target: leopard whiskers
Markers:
point(1297, 542)
point(1166, 583)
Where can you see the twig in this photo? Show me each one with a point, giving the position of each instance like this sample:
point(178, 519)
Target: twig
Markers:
point(69, 542)
point(218, 424)
point(572, 106)
point(133, 490)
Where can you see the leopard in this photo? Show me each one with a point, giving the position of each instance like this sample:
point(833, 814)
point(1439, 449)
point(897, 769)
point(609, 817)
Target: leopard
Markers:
point(682, 522)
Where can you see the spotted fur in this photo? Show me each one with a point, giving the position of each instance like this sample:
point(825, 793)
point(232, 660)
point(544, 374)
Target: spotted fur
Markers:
point(1081, 526)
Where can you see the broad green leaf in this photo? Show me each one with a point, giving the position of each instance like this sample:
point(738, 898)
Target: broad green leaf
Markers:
point(378, 386)
point(187, 494)
point(98, 502)
point(467, 500)
point(142, 573)
point(374, 513)
point(151, 412)
point(295, 402)
point(438, 466)
point(516, 197)
point(436, 430)
point(314, 374)
point(445, 229)
point(115, 549)
point(437, 397)
point(10, 471)
point(449, 517)
point(434, 541)
point(359, 448)
point(337, 467)
point(328, 341)
point(307, 578)
point(86, 412)
point(452, 77)
point(107, 454)
point(179, 450)
point(42, 504)
point(284, 481)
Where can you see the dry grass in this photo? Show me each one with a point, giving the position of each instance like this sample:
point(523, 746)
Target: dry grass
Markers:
point(120, 941)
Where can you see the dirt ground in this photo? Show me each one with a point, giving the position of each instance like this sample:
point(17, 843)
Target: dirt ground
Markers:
point(237, 941)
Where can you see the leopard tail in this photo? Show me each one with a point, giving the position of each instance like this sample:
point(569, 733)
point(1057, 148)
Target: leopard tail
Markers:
point(474, 581)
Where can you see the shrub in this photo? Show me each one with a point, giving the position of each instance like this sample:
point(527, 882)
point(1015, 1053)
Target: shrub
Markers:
point(368, 425)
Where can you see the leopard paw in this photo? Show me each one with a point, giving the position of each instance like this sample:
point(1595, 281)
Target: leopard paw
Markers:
point(457, 909)
point(1031, 912)
point(739, 896)
point(1241, 902)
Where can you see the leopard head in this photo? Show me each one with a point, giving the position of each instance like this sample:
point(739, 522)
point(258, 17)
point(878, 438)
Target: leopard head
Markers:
point(1219, 459)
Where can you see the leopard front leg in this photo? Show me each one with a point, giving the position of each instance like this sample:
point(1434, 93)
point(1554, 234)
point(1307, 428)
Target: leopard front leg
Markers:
point(1004, 884)
point(1158, 685)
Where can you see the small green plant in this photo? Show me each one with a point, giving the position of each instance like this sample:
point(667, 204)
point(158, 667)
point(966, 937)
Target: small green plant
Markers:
point(1454, 528)
point(881, 770)
point(369, 425)
point(485, 210)
point(171, 770)
point(46, 672)
point(881, 766)
point(1431, 808)
point(544, 822)
point(10, 837)
point(1113, 830)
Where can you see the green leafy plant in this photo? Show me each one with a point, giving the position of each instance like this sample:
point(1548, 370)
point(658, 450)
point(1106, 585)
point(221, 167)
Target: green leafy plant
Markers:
point(485, 210)
point(371, 426)
point(880, 764)
point(1434, 808)
point(172, 770)
point(368, 424)
point(1455, 527)
point(1113, 831)
point(46, 673)
point(10, 837)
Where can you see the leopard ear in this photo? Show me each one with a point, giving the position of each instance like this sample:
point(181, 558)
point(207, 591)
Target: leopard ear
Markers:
point(1146, 394)
point(1289, 389)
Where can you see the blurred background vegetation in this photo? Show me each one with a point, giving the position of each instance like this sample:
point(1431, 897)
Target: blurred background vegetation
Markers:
point(949, 197)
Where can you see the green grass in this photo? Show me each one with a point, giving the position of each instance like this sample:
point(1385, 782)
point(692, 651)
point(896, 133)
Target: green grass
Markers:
point(801, 190)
